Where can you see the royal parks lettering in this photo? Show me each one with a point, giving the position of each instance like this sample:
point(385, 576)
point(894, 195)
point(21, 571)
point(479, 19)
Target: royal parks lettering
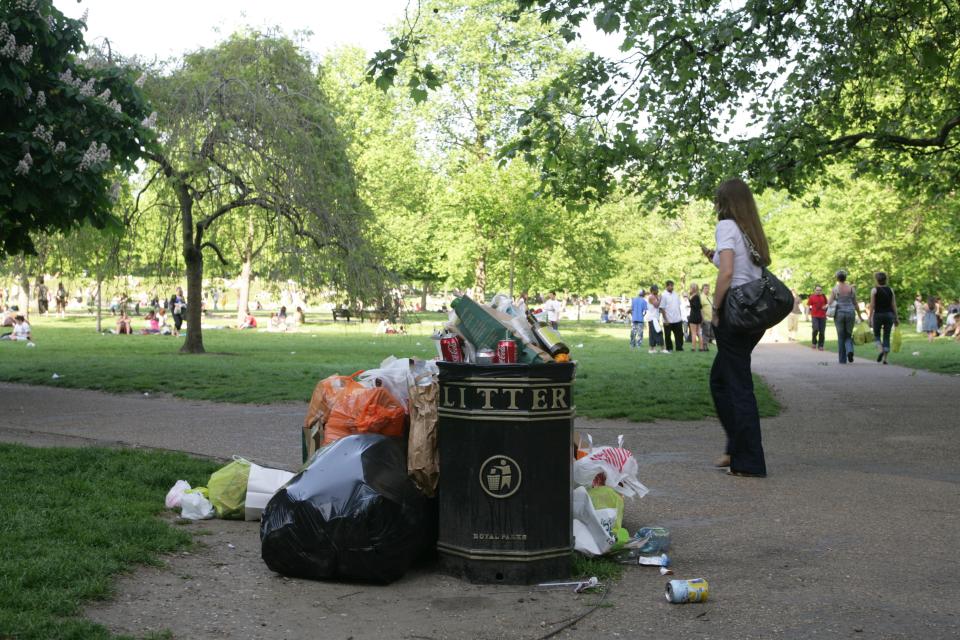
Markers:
point(505, 398)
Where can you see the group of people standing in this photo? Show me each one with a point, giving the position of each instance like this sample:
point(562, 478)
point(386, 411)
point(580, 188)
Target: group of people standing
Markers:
point(664, 315)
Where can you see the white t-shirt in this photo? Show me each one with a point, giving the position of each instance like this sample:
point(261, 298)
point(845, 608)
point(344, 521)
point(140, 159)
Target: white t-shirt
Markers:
point(21, 331)
point(670, 304)
point(729, 236)
point(552, 307)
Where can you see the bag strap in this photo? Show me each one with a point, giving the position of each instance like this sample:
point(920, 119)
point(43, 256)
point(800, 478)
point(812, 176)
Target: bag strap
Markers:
point(754, 254)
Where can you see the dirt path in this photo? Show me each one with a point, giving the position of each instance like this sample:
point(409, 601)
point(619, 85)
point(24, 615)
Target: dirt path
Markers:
point(854, 534)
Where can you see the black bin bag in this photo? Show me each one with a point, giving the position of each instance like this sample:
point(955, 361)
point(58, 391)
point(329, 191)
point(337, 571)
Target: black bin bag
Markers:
point(351, 514)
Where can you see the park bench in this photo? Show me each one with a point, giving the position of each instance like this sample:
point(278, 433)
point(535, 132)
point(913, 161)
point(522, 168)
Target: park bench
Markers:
point(343, 313)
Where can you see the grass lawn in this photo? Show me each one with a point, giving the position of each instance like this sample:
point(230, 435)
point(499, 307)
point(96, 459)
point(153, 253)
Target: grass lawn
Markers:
point(941, 356)
point(260, 367)
point(74, 518)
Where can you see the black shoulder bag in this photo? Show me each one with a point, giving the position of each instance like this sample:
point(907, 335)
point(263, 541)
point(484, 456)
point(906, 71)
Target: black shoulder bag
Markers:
point(758, 304)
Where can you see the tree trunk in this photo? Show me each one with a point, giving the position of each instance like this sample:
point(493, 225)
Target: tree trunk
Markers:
point(243, 282)
point(193, 258)
point(23, 298)
point(423, 295)
point(480, 278)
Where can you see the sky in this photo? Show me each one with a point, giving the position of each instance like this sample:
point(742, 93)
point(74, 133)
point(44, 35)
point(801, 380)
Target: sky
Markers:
point(138, 27)
point(169, 28)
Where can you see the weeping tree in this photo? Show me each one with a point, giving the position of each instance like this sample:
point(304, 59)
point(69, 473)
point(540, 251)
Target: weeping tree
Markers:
point(245, 127)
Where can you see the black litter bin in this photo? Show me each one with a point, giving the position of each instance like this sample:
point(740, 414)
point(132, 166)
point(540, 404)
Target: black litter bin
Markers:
point(505, 492)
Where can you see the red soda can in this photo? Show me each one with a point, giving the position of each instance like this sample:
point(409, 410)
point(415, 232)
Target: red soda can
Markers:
point(506, 352)
point(450, 349)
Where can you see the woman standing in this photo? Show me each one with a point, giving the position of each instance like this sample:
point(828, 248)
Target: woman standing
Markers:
point(178, 306)
point(931, 312)
point(847, 308)
point(918, 311)
point(883, 314)
point(653, 317)
point(695, 319)
point(740, 252)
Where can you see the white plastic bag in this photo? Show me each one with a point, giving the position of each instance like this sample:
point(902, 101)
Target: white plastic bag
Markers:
point(193, 506)
point(613, 466)
point(176, 494)
point(261, 485)
point(394, 376)
point(590, 536)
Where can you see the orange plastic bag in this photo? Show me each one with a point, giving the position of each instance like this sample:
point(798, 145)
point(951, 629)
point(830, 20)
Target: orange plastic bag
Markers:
point(324, 397)
point(364, 410)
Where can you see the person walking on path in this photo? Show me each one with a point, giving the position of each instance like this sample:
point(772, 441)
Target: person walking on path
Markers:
point(741, 252)
point(883, 314)
point(793, 319)
point(931, 311)
point(672, 317)
point(695, 319)
point(848, 310)
point(817, 303)
point(638, 314)
point(706, 309)
point(178, 306)
point(653, 318)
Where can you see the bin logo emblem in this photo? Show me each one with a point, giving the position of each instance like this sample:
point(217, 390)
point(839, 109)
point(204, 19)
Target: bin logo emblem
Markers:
point(500, 476)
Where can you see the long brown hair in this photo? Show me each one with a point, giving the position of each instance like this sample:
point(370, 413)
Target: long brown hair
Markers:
point(735, 202)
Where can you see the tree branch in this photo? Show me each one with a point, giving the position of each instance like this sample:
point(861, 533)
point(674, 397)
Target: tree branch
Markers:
point(230, 206)
point(850, 141)
point(216, 250)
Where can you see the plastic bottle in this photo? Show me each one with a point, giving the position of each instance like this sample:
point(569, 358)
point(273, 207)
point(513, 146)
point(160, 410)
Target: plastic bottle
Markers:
point(658, 540)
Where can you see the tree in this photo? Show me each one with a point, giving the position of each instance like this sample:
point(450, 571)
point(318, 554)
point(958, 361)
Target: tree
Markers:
point(394, 178)
point(773, 91)
point(490, 64)
point(65, 125)
point(245, 126)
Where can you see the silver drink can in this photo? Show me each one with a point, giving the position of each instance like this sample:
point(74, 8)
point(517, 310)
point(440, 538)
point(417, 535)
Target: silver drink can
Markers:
point(682, 591)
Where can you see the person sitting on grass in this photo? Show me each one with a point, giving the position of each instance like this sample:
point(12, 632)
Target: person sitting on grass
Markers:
point(277, 324)
point(250, 322)
point(163, 323)
point(124, 325)
point(153, 325)
point(300, 318)
point(21, 330)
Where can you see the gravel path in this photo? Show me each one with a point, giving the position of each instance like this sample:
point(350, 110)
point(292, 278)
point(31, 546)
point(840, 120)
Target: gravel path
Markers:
point(854, 534)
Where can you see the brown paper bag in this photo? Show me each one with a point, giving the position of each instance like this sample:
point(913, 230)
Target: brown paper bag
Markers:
point(423, 464)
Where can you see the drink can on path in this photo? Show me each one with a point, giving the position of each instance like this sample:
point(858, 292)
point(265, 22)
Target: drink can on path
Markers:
point(506, 352)
point(450, 349)
point(682, 591)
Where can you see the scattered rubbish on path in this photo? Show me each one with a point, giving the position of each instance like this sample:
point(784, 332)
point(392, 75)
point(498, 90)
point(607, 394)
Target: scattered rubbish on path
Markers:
point(579, 586)
point(685, 591)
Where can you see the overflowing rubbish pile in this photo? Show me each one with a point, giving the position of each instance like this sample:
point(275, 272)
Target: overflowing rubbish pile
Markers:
point(362, 507)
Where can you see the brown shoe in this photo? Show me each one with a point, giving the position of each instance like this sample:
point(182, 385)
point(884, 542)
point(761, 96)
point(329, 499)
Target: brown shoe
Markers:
point(722, 461)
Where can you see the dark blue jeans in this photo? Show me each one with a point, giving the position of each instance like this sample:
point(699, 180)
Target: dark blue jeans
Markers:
point(883, 323)
point(819, 328)
point(731, 385)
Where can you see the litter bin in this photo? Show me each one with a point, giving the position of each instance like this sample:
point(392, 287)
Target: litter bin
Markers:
point(505, 492)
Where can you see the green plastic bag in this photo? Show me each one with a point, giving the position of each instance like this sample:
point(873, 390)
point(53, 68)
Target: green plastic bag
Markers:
point(228, 489)
point(896, 339)
point(609, 506)
point(860, 334)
